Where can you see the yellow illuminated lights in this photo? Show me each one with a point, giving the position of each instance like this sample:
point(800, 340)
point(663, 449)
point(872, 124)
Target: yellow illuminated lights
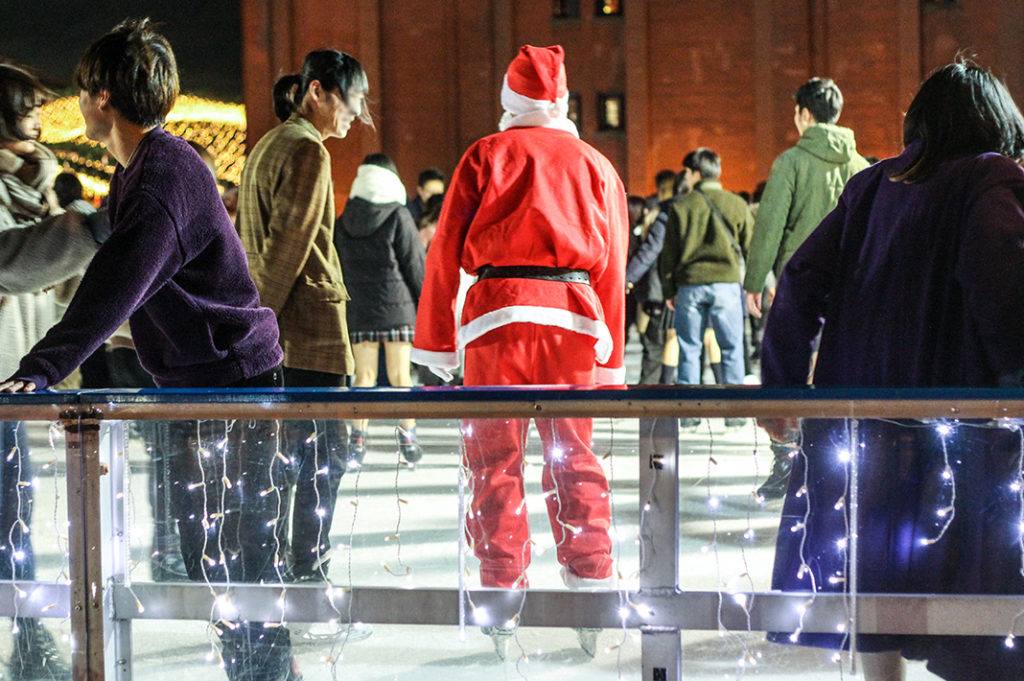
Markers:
point(217, 126)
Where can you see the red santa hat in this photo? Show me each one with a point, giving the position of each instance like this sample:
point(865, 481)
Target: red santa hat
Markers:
point(538, 73)
point(535, 79)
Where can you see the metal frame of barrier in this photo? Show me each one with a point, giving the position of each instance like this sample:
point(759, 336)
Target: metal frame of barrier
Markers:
point(101, 603)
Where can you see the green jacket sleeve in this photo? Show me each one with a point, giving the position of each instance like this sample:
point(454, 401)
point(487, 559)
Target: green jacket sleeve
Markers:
point(770, 225)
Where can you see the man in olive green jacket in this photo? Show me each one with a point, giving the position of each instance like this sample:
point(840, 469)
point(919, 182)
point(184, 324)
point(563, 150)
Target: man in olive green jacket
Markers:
point(804, 185)
point(708, 230)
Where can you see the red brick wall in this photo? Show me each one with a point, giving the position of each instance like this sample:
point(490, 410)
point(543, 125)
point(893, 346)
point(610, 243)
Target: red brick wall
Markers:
point(695, 73)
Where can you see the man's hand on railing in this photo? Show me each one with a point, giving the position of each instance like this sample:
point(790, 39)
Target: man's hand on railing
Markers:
point(12, 385)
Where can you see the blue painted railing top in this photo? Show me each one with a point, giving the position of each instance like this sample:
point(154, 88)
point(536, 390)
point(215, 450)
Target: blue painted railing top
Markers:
point(465, 395)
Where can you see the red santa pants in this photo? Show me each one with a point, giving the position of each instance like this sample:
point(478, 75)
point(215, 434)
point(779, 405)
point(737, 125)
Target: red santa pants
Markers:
point(575, 487)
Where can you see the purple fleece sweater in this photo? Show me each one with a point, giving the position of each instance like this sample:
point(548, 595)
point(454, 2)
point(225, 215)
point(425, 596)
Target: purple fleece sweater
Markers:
point(917, 285)
point(175, 267)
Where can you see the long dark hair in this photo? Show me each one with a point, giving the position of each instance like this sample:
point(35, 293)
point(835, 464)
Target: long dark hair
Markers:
point(20, 92)
point(284, 95)
point(962, 108)
point(334, 70)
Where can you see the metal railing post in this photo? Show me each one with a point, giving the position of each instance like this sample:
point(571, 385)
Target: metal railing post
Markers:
point(82, 429)
point(116, 561)
point(660, 647)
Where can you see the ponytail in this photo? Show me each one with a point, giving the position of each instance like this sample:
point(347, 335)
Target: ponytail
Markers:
point(286, 95)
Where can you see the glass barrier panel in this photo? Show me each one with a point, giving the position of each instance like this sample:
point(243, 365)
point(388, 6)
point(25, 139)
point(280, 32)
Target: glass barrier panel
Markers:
point(561, 545)
point(348, 505)
point(845, 507)
point(34, 550)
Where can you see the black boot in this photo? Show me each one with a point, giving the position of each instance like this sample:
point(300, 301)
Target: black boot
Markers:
point(669, 374)
point(356, 449)
point(716, 371)
point(409, 445)
point(775, 485)
point(35, 655)
point(252, 652)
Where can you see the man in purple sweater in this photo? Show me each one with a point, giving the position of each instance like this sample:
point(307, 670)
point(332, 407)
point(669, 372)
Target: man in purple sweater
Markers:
point(175, 268)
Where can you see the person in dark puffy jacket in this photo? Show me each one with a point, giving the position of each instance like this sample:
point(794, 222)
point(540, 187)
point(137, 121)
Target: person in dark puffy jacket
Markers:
point(382, 259)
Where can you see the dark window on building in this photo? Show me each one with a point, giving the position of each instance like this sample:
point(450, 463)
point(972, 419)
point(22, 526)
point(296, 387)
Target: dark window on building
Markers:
point(608, 8)
point(574, 109)
point(567, 9)
point(611, 111)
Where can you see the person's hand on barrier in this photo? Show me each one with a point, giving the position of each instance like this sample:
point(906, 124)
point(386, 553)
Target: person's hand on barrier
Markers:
point(13, 385)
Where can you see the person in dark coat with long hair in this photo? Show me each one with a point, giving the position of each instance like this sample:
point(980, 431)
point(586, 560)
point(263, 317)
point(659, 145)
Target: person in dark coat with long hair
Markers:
point(382, 259)
point(915, 280)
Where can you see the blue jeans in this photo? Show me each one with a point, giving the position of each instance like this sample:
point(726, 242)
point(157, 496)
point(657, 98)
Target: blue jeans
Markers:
point(719, 306)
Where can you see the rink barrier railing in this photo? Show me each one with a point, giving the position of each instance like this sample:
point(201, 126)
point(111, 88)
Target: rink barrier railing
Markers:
point(101, 601)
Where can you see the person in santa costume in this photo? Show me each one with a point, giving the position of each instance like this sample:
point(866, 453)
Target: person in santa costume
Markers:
point(539, 217)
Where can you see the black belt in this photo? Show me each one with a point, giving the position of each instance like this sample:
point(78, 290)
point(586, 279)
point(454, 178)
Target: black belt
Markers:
point(566, 274)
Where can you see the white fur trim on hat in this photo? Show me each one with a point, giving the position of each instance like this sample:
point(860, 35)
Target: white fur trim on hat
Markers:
point(524, 112)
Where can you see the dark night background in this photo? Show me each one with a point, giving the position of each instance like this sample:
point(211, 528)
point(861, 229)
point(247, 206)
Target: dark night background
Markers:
point(50, 35)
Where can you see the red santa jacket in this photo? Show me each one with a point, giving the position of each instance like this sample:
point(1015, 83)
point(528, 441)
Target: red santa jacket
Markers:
point(538, 197)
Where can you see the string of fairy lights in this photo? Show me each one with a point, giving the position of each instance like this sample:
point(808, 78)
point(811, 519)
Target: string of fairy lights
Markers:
point(218, 127)
point(212, 453)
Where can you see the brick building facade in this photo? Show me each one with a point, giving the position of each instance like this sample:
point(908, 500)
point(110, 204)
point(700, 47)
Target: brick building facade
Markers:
point(664, 75)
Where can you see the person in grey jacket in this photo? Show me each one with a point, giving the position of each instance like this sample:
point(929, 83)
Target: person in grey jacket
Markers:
point(382, 260)
point(40, 246)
